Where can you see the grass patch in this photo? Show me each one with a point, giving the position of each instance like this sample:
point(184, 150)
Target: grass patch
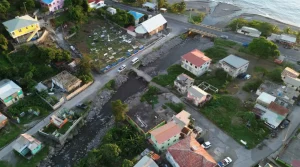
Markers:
point(252, 85)
point(216, 53)
point(65, 128)
point(225, 43)
point(5, 164)
point(35, 160)
point(61, 19)
point(227, 112)
point(29, 102)
point(282, 163)
point(110, 85)
point(50, 129)
point(151, 95)
point(197, 19)
point(176, 107)
point(173, 72)
point(9, 133)
point(245, 50)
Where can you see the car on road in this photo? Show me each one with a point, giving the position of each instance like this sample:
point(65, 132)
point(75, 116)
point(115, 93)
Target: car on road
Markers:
point(72, 47)
point(82, 106)
point(243, 76)
point(122, 68)
point(224, 162)
point(224, 36)
point(206, 145)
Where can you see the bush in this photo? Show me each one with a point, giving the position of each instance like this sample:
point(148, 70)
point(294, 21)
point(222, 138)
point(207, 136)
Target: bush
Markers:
point(275, 75)
point(197, 19)
point(216, 53)
point(110, 85)
point(151, 95)
point(176, 107)
point(252, 85)
point(223, 42)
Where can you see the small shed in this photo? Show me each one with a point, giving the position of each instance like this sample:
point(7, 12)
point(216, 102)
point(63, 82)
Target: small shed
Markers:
point(149, 5)
point(163, 10)
point(111, 10)
point(265, 99)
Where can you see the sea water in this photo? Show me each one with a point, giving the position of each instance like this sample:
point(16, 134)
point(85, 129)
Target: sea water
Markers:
point(286, 11)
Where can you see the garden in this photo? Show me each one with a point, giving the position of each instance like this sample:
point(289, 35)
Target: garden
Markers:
point(118, 148)
point(229, 114)
point(105, 43)
point(9, 133)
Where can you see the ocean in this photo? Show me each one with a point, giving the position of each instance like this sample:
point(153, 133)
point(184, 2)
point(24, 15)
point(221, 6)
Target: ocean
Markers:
point(286, 11)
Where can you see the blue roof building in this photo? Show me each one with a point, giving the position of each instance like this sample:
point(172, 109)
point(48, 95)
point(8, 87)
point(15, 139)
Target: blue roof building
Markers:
point(136, 15)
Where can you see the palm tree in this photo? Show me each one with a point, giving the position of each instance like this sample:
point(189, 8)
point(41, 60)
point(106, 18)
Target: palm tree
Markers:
point(287, 30)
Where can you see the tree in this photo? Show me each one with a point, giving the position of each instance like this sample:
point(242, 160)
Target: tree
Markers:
point(68, 3)
point(30, 4)
point(178, 7)
point(127, 163)
point(287, 30)
point(162, 4)
point(3, 44)
point(4, 6)
point(263, 48)
point(110, 152)
point(237, 24)
point(76, 13)
point(85, 6)
point(119, 110)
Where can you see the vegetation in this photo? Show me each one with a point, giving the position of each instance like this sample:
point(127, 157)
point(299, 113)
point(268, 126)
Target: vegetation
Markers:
point(275, 75)
point(35, 160)
point(10, 132)
point(24, 105)
point(176, 107)
point(50, 99)
point(179, 7)
point(151, 95)
point(173, 72)
point(282, 163)
point(197, 19)
point(119, 145)
point(77, 10)
point(110, 85)
point(119, 110)
point(162, 4)
point(65, 128)
point(216, 53)
point(3, 44)
point(122, 17)
point(252, 85)
point(4, 7)
point(263, 48)
point(228, 113)
point(85, 70)
point(225, 43)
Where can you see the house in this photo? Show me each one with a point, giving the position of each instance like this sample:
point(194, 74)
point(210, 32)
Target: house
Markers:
point(183, 82)
point(3, 120)
point(66, 81)
point(273, 114)
point(290, 78)
point(22, 28)
point(165, 136)
point(52, 5)
point(265, 99)
point(195, 62)
point(198, 96)
point(111, 10)
point(284, 39)
point(10, 92)
point(234, 65)
point(146, 161)
point(138, 17)
point(249, 31)
point(95, 4)
point(149, 5)
point(189, 153)
point(151, 26)
point(182, 119)
point(26, 145)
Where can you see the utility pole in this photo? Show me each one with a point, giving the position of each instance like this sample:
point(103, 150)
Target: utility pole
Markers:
point(25, 7)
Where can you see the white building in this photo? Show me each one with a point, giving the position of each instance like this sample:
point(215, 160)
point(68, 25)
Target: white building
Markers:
point(195, 62)
point(95, 4)
point(283, 38)
point(249, 31)
point(265, 99)
point(183, 82)
point(290, 78)
point(152, 26)
point(111, 10)
point(234, 65)
point(198, 96)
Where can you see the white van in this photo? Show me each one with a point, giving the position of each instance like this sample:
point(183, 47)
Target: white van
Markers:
point(135, 60)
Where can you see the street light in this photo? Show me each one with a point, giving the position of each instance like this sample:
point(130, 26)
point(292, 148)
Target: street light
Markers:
point(25, 7)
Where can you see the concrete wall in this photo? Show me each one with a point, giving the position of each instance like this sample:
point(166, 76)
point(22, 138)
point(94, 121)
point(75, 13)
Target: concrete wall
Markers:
point(191, 68)
point(77, 91)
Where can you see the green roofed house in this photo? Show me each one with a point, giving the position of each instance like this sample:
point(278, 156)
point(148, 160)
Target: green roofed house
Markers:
point(10, 92)
point(138, 17)
point(27, 146)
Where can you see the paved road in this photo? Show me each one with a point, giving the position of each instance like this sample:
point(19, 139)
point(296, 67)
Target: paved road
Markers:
point(100, 81)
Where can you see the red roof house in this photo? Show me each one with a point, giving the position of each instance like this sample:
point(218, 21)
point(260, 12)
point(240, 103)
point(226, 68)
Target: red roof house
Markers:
point(196, 62)
point(189, 153)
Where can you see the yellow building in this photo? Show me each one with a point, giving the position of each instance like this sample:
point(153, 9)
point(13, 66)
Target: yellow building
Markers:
point(22, 27)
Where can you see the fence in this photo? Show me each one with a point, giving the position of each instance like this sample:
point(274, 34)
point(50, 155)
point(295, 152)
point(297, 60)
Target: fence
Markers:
point(77, 91)
point(67, 37)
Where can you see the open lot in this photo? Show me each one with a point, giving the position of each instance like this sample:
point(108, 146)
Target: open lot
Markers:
point(8, 133)
point(106, 43)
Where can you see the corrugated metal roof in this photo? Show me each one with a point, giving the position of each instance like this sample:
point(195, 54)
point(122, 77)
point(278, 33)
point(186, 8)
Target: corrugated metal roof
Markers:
point(7, 88)
point(235, 61)
point(154, 22)
point(195, 91)
point(19, 22)
point(266, 98)
point(288, 38)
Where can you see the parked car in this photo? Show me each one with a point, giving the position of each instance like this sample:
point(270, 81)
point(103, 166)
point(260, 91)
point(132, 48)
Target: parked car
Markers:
point(224, 36)
point(225, 162)
point(122, 68)
point(243, 76)
point(200, 140)
point(72, 47)
point(206, 145)
point(285, 123)
point(82, 106)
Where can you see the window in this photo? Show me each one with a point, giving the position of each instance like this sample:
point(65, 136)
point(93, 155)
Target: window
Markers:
point(200, 66)
point(169, 140)
point(195, 66)
point(20, 30)
point(31, 25)
point(168, 144)
point(186, 61)
point(26, 27)
point(163, 147)
point(13, 33)
point(174, 140)
point(190, 63)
